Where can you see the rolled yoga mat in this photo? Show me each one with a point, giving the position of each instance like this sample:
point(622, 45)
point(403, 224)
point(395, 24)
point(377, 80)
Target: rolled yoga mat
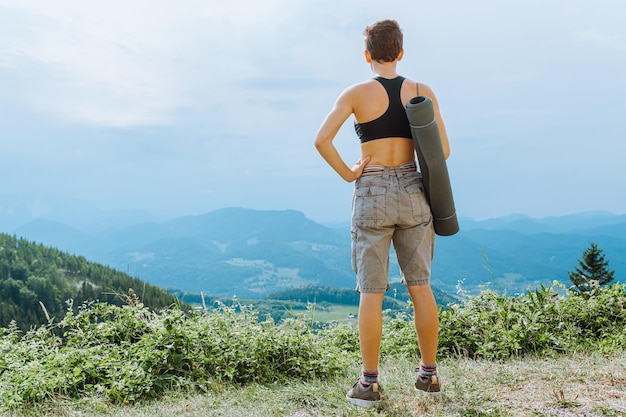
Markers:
point(432, 163)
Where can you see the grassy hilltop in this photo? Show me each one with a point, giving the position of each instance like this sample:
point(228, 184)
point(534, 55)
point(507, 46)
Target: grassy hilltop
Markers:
point(541, 353)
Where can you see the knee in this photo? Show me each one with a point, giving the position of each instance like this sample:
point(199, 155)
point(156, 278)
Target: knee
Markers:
point(424, 288)
point(420, 291)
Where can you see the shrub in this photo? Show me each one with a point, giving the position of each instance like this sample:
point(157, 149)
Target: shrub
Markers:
point(546, 321)
point(129, 353)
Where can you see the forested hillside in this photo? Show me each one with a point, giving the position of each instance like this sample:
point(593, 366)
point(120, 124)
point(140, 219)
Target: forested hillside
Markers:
point(31, 274)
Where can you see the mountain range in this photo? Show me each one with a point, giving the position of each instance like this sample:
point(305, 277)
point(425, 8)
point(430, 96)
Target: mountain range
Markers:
point(251, 253)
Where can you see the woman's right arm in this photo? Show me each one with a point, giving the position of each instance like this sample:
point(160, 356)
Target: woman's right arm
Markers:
point(340, 112)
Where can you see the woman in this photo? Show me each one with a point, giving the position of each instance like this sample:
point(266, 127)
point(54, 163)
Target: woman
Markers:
point(389, 205)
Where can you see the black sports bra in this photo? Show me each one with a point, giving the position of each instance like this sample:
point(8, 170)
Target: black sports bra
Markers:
point(394, 122)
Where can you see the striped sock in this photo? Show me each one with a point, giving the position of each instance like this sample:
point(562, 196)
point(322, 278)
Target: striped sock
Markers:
point(368, 378)
point(426, 371)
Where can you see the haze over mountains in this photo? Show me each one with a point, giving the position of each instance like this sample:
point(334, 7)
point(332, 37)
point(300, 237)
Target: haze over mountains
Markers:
point(251, 253)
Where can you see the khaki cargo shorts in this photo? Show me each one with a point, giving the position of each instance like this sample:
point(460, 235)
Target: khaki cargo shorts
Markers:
point(389, 206)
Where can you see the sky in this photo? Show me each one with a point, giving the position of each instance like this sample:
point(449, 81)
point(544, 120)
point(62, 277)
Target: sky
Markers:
point(179, 108)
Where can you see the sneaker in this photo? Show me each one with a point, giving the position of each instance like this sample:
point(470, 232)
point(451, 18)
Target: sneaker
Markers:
point(428, 385)
point(364, 396)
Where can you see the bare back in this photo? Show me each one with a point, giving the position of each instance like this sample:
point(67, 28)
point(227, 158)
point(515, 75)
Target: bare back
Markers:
point(370, 101)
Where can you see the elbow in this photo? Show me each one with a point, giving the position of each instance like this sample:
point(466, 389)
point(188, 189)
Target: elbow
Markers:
point(320, 143)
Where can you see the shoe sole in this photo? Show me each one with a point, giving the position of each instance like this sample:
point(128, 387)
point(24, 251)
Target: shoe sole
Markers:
point(427, 393)
point(362, 403)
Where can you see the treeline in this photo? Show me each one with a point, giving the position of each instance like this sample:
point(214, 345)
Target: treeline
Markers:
point(395, 299)
point(292, 302)
point(31, 274)
point(276, 309)
point(295, 301)
point(313, 294)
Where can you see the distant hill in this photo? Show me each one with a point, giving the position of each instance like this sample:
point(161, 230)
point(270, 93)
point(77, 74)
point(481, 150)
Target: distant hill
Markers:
point(31, 274)
point(230, 251)
point(594, 222)
point(523, 251)
point(252, 253)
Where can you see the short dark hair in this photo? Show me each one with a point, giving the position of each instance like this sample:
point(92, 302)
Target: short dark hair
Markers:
point(383, 40)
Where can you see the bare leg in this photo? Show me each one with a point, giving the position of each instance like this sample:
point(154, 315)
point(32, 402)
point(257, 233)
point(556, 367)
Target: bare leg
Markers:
point(426, 321)
point(370, 328)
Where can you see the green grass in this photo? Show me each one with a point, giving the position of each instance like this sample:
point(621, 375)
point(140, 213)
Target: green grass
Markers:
point(336, 312)
point(573, 385)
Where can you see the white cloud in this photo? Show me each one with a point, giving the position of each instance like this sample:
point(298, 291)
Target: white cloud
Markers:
point(125, 63)
point(199, 97)
point(102, 67)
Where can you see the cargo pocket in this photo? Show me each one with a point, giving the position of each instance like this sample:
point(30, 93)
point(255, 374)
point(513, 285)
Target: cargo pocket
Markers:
point(419, 203)
point(369, 206)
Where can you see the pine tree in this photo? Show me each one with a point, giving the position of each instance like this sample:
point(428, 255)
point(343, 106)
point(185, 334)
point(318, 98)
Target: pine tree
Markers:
point(592, 272)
